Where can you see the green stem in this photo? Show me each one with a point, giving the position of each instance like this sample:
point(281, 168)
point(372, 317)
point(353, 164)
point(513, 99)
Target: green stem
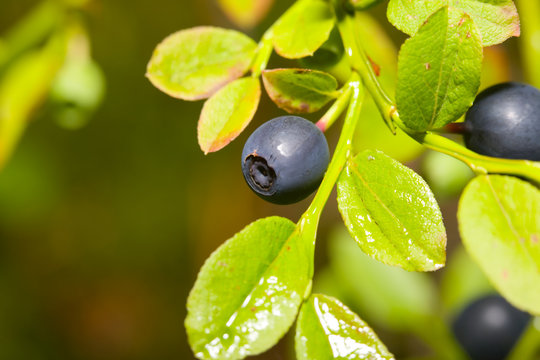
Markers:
point(478, 163)
point(528, 346)
point(343, 149)
point(529, 13)
point(360, 62)
point(335, 110)
point(264, 51)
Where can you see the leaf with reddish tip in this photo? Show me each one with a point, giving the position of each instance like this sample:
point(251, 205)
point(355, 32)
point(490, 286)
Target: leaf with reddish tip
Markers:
point(497, 20)
point(246, 13)
point(299, 90)
point(227, 113)
point(193, 64)
point(303, 28)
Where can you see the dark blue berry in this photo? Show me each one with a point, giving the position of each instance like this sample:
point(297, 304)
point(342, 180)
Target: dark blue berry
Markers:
point(285, 159)
point(489, 327)
point(504, 121)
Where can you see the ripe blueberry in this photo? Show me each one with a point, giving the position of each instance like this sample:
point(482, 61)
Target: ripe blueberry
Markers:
point(504, 121)
point(285, 159)
point(489, 327)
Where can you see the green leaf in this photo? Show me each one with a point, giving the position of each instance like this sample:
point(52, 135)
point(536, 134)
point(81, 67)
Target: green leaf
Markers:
point(246, 13)
point(23, 88)
point(499, 222)
point(391, 213)
point(327, 329)
point(299, 90)
point(227, 113)
point(497, 20)
point(248, 292)
point(384, 295)
point(439, 71)
point(193, 64)
point(303, 28)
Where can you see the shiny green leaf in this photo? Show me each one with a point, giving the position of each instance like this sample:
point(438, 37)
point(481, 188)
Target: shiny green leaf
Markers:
point(193, 64)
point(497, 20)
point(327, 329)
point(439, 71)
point(246, 13)
point(384, 295)
point(499, 222)
point(248, 292)
point(227, 113)
point(391, 213)
point(299, 90)
point(303, 28)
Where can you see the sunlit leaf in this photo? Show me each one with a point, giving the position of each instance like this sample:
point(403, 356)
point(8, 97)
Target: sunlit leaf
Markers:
point(497, 20)
point(327, 329)
point(226, 114)
point(193, 64)
point(299, 90)
point(499, 221)
point(303, 28)
point(439, 71)
point(248, 292)
point(391, 213)
point(246, 13)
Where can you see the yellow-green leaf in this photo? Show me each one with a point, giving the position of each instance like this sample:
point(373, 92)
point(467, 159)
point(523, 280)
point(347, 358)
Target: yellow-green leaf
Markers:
point(246, 13)
point(299, 90)
point(227, 113)
point(248, 292)
point(193, 64)
point(303, 28)
point(391, 213)
point(499, 222)
point(497, 20)
point(23, 88)
point(327, 329)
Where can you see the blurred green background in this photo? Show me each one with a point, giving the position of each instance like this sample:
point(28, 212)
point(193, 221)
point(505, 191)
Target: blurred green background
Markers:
point(103, 229)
